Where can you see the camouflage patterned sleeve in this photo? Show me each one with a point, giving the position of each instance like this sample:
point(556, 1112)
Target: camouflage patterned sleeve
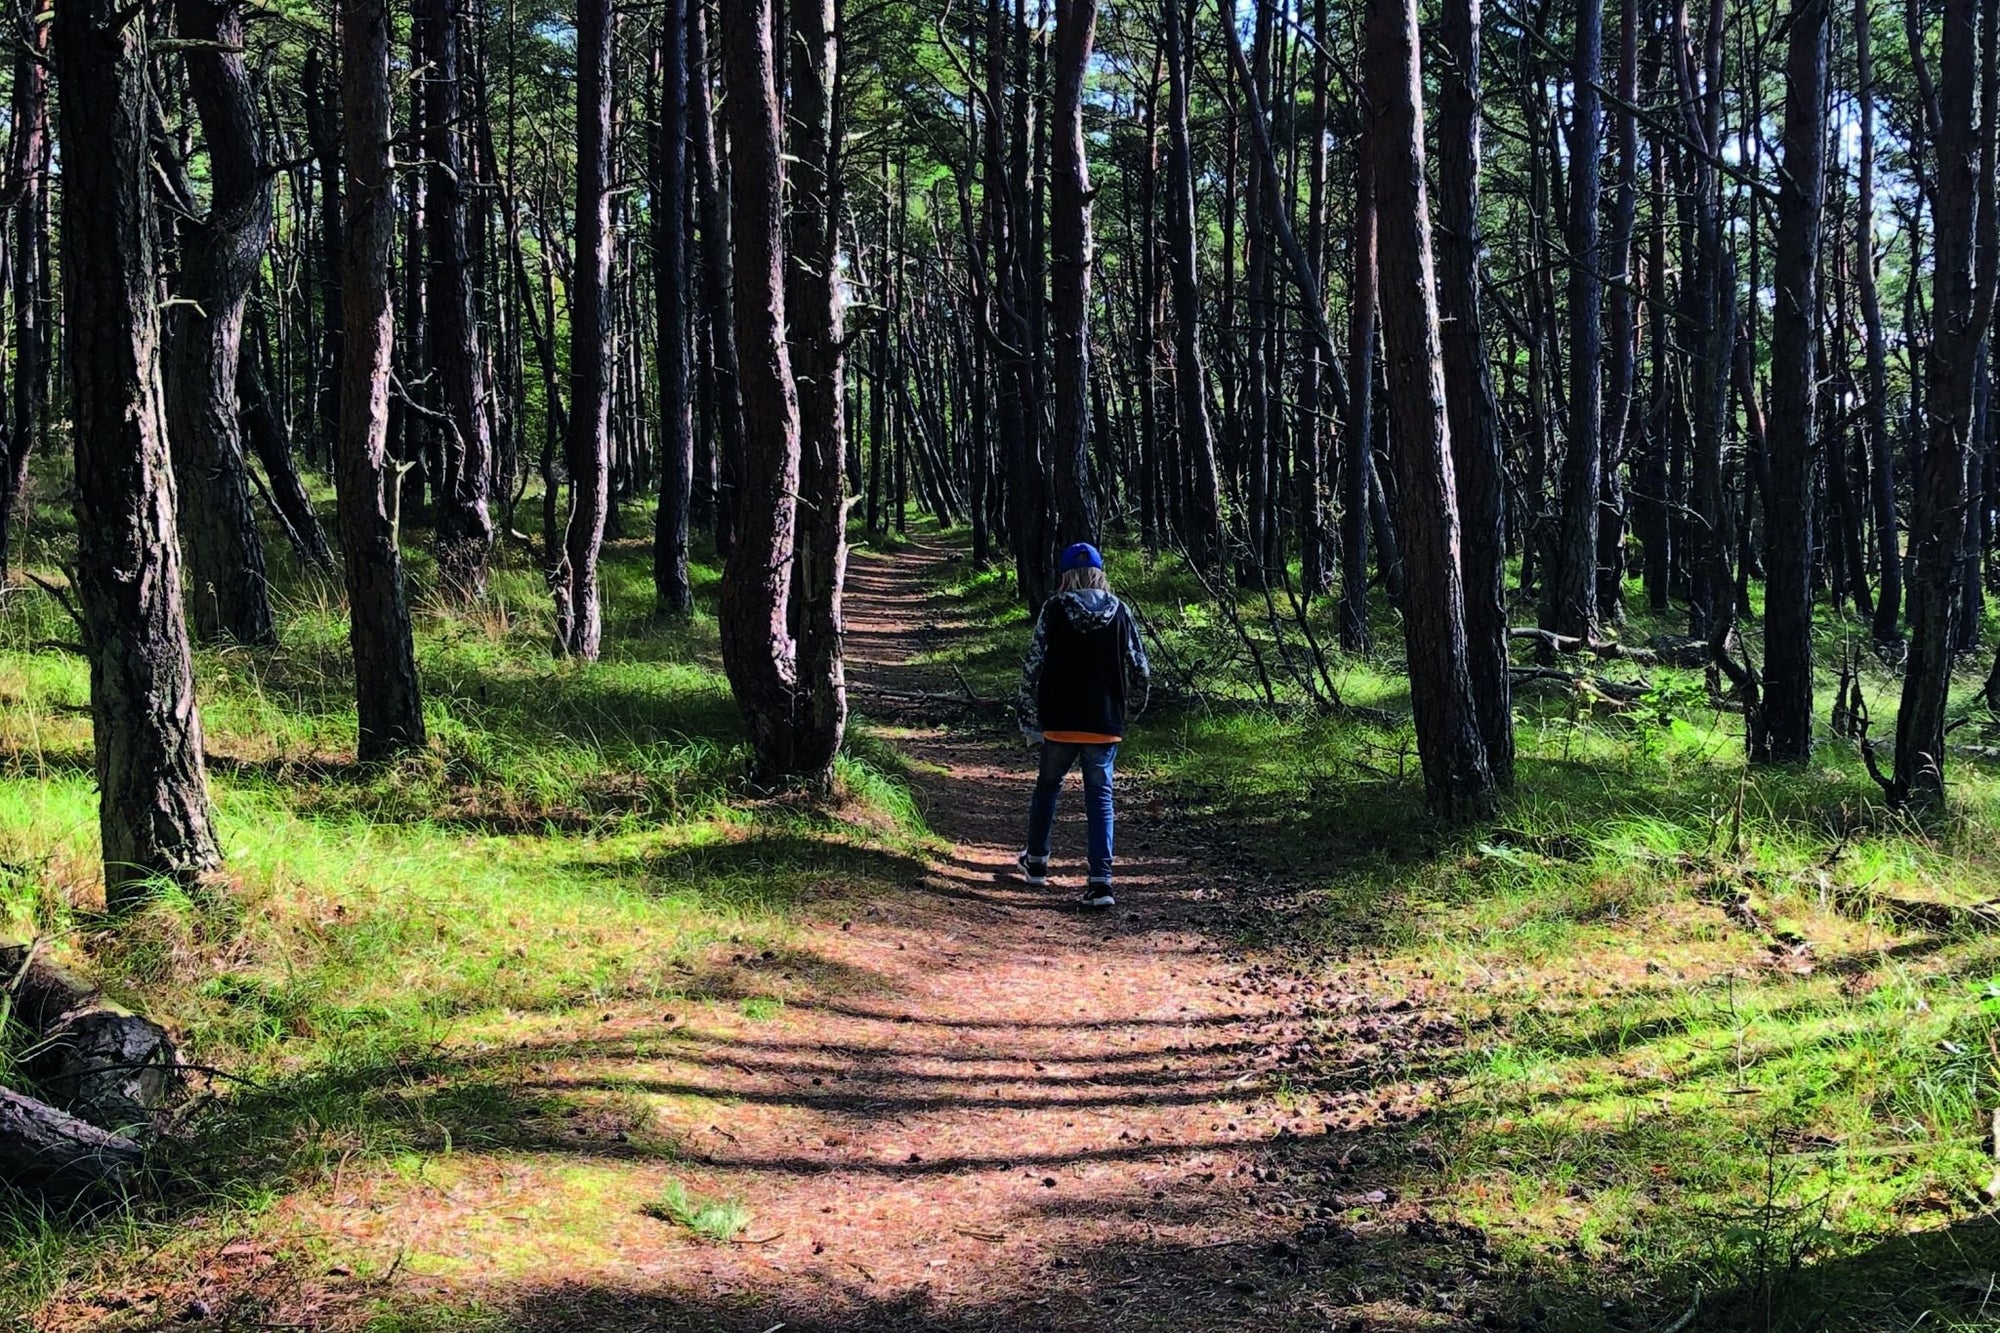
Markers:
point(1027, 704)
point(1138, 671)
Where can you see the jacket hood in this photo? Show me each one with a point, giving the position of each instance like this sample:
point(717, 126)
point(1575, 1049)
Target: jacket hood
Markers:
point(1088, 608)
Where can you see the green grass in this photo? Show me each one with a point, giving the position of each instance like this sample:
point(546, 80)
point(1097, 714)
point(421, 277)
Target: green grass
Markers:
point(393, 951)
point(717, 1221)
point(1703, 1045)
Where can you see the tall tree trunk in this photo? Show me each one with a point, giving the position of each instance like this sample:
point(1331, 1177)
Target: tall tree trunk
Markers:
point(1203, 529)
point(579, 605)
point(323, 132)
point(387, 693)
point(27, 182)
point(1620, 411)
point(1070, 260)
point(219, 258)
point(1570, 606)
point(1887, 625)
point(758, 652)
point(716, 314)
point(1458, 782)
point(1310, 456)
point(1474, 416)
point(153, 810)
point(465, 452)
point(672, 592)
point(812, 304)
point(1961, 305)
point(1357, 462)
point(1780, 731)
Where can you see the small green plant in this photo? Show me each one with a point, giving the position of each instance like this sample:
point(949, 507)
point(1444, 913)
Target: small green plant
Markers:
point(762, 1008)
point(717, 1221)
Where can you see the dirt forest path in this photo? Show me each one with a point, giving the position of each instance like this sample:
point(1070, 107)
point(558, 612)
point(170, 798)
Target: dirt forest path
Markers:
point(979, 1105)
point(1031, 1118)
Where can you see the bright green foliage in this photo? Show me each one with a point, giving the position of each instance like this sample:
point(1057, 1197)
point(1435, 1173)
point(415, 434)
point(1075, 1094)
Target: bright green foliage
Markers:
point(1712, 1029)
point(717, 1221)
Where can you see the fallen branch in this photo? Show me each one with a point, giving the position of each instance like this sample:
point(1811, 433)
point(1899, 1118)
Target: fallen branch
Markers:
point(1918, 912)
point(1570, 644)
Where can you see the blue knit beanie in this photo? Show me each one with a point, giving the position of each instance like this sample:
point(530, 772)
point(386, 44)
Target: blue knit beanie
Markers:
point(1081, 556)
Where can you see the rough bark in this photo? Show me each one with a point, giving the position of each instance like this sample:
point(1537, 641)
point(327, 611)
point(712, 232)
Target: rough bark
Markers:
point(61, 1155)
point(1203, 506)
point(1570, 606)
point(1887, 623)
point(153, 809)
point(1474, 415)
point(27, 170)
point(812, 306)
point(579, 598)
point(758, 652)
point(219, 258)
point(1458, 782)
point(323, 132)
point(463, 514)
point(672, 593)
point(1357, 460)
point(1069, 263)
point(717, 282)
point(1961, 306)
point(1781, 730)
point(387, 692)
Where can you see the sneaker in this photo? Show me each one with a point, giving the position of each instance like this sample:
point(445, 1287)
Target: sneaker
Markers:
point(1034, 872)
point(1097, 897)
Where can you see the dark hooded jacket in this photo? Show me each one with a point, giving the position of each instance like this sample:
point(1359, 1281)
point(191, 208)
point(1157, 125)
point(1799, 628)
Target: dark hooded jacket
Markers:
point(1086, 670)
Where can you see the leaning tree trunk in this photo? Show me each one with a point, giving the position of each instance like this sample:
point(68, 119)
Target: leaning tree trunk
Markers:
point(1069, 263)
point(1458, 781)
point(579, 606)
point(387, 694)
point(153, 807)
point(671, 590)
point(1474, 416)
point(219, 258)
point(266, 436)
point(1780, 730)
point(812, 303)
point(757, 649)
point(465, 440)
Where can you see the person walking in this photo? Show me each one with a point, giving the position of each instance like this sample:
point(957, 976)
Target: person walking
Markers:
point(1085, 676)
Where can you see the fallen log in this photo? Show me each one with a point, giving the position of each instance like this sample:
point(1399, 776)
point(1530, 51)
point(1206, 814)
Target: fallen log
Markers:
point(1613, 691)
point(52, 1152)
point(89, 1057)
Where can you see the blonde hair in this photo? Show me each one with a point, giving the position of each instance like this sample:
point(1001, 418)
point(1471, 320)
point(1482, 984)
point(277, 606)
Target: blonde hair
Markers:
point(1087, 577)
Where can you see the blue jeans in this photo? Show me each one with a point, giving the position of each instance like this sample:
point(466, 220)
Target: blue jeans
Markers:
point(1058, 757)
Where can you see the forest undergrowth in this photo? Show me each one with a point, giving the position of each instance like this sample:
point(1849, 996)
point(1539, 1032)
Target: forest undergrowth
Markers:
point(575, 836)
point(1727, 1035)
point(1728, 1032)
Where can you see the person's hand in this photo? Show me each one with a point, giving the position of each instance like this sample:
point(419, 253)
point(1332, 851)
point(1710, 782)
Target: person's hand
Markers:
point(1031, 739)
